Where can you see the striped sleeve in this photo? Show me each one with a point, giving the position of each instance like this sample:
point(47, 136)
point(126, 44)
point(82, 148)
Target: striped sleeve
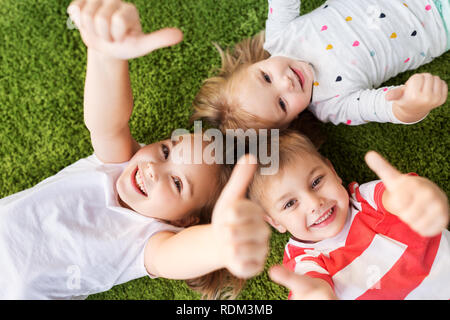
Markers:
point(306, 261)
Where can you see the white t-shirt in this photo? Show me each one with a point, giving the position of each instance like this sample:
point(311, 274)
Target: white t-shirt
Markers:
point(354, 46)
point(68, 237)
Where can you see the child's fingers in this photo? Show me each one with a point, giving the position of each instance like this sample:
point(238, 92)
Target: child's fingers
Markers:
point(416, 81)
point(387, 173)
point(444, 91)
point(102, 19)
point(87, 16)
point(258, 232)
point(74, 11)
point(428, 83)
point(440, 90)
point(124, 19)
point(284, 277)
point(158, 39)
point(395, 94)
point(251, 252)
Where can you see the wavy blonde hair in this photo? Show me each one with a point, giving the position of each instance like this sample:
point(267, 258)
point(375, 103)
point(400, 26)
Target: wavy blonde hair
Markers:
point(215, 104)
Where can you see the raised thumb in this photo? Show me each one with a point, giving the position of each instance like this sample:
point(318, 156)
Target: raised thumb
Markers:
point(284, 277)
point(384, 170)
point(395, 94)
point(240, 179)
point(146, 43)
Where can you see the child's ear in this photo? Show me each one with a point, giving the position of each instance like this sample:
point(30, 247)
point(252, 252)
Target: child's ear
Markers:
point(274, 224)
point(329, 164)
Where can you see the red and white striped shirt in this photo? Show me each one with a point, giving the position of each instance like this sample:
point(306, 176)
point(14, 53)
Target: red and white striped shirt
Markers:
point(376, 255)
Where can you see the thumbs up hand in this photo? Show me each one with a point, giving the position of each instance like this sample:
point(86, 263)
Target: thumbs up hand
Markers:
point(240, 232)
point(302, 287)
point(420, 94)
point(112, 27)
point(415, 200)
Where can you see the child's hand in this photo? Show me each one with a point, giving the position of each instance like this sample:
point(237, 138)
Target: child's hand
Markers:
point(420, 94)
point(239, 228)
point(416, 200)
point(302, 287)
point(112, 27)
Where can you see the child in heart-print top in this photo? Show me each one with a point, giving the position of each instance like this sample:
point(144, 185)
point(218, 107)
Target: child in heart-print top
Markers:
point(333, 61)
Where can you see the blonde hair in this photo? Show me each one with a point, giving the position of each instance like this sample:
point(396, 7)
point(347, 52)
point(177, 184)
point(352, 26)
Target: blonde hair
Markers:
point(292, 146)
point(214, 103)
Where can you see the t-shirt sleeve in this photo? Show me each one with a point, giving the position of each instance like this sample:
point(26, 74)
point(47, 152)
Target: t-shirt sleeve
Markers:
point(307, 262)
point(368, 196)
point(158, 227)
point(280, 14)
point(359, 107)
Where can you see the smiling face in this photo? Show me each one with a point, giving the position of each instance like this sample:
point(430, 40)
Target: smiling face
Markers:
point(276, 89)
point(157, 184)
point(307, 199)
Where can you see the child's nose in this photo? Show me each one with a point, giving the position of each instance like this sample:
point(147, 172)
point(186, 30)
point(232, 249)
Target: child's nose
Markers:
point(151, 171)
point(315, 203)
point(286, 83)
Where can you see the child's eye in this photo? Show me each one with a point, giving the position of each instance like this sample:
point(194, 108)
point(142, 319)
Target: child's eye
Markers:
point(316, 182)
point(178, 184)
point(165, 150)
point(289, 204)
point(282, 104)
point(266, 77)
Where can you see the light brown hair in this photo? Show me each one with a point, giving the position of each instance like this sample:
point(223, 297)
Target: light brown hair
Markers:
point(214, 103)
point(292, 146)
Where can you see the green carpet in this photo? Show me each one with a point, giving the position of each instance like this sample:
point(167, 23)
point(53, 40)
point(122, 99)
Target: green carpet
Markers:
point(42, 71)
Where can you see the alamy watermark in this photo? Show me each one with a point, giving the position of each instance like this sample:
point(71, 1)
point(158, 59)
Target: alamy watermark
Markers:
point(227, 148)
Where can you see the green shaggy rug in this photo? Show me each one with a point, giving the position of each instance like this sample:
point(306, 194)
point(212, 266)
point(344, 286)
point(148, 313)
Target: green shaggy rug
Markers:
point(42, 72)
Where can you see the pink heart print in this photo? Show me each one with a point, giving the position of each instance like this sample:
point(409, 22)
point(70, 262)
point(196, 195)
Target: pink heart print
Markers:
point(324, 28)
point(356, 43)
point(428, 7)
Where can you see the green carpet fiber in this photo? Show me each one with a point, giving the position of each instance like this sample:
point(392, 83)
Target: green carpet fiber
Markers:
point(42, 72)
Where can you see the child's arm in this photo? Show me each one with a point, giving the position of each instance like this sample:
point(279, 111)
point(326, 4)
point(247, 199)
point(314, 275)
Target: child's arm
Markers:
point(280, 14)
point(416, 200)
point(302, 287)
point(421, 93)
point(237, 238)
point(112, 33)
point(409, 103)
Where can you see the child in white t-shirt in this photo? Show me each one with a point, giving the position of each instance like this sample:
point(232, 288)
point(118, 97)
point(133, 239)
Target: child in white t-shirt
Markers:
point(387, 240)
point(119, 214)
point(332, 61)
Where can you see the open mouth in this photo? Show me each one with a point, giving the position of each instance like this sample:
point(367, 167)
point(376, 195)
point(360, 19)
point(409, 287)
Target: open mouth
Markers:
point(325, 219)
point(300, 77)
point(138, 182)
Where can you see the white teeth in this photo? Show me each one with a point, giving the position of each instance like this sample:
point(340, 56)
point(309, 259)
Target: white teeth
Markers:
point(325, 217)
point(139, 182)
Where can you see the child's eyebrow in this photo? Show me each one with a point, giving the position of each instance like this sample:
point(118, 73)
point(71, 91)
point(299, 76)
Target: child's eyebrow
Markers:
point(283, 196)
point(314, 170)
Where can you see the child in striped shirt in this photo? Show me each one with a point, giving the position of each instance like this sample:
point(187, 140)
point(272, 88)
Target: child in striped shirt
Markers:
point(386, 240)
